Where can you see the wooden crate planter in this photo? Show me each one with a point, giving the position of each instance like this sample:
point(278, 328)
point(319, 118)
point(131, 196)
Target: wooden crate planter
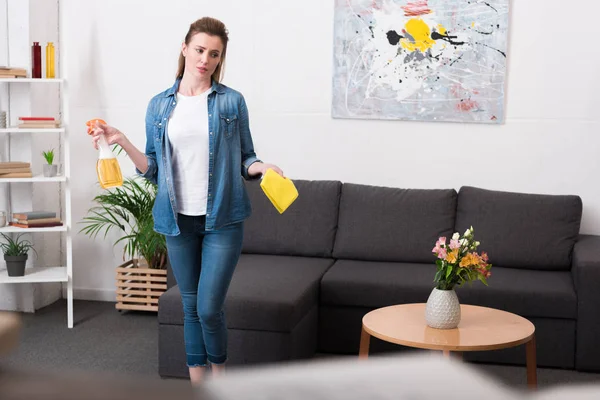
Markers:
point(139, 288)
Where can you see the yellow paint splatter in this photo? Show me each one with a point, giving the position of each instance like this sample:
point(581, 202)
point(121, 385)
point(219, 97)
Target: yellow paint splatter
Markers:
point(472, 24)
point(420, 32)
point(441, 29)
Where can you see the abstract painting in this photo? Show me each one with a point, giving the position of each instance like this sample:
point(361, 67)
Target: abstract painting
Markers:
point(428, 60)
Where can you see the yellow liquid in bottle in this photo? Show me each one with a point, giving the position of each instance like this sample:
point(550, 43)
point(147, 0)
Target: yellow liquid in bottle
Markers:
point(109, 173)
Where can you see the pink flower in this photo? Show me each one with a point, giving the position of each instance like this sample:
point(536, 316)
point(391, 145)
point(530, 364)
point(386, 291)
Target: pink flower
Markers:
point(442, 253)
point(484, 256)
point(454, 244)
point(485, 272)
point(438, 246)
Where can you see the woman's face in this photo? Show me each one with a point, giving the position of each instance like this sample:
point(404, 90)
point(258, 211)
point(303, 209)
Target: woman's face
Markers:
point(202, 55)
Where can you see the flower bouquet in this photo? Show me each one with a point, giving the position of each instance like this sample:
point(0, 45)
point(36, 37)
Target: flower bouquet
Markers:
point(457, 262)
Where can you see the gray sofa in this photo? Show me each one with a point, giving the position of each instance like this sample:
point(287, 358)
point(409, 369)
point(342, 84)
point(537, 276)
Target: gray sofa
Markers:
point(307, 277)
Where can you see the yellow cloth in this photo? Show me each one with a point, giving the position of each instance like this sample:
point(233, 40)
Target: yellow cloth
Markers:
point(281, 191)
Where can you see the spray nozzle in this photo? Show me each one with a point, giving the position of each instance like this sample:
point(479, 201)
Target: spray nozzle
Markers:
point(91, 124)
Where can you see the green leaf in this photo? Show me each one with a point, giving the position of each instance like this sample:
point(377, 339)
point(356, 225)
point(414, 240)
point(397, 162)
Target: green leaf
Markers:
point(448, 271)
point(128, 209)
point(49, 156)
point(16, 246)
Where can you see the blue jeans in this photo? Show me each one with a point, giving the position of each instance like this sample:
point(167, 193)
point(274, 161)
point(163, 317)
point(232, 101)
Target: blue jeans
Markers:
point(203, 263)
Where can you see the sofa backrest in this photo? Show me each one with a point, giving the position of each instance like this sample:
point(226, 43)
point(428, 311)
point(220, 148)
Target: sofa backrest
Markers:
point(389, 224)
point(519, 230)
point(306, 228)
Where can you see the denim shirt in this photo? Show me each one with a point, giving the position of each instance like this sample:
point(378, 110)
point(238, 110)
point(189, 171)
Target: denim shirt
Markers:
point(231, 152)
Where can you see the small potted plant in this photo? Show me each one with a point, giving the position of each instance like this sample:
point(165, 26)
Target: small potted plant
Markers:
point(50, 169)
point(15, 254)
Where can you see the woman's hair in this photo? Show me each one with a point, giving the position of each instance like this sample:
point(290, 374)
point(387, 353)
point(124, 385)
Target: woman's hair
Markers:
point(213, 27)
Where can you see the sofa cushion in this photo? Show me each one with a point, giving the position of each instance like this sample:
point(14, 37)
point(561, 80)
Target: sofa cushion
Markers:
point(521, 230)
point(378, 284)
point(306, 228)
point(530, 293)
point(270, 293)
point(387, 224)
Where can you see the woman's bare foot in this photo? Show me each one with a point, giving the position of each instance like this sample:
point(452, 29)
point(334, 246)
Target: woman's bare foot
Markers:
point(217, 370)
point(197, 375)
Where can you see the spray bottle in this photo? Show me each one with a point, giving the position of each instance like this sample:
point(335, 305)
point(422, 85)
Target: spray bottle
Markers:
point(107, 167)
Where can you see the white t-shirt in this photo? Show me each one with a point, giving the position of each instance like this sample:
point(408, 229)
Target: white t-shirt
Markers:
point(188, 135)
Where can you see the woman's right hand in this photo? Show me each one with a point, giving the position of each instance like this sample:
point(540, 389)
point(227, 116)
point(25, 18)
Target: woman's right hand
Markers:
point(112, 135)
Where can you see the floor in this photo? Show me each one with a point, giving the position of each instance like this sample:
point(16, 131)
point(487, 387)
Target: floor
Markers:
point(105, 340)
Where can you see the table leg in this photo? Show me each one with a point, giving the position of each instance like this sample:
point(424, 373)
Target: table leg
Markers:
point(446, 353)
point(365, 339)
point(530, 348)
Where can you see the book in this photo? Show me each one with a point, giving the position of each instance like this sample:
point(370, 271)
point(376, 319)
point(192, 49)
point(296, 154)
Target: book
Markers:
point(29, 215)
point(14, 164)
point(8, 170)
point(37, 118)
point(16, 175)
point(37, 221)
point(5, 68)
point(46, 225)
point(7, 72)
point(38, 122)
point(39, 126)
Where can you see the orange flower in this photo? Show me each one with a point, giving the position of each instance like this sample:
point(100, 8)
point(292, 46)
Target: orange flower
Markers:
point(452, 256)
point(469, 259)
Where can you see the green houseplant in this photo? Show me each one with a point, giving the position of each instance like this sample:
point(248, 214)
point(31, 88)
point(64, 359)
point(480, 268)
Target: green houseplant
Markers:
point(15, 254)
point(49, 168)
point(129, 209)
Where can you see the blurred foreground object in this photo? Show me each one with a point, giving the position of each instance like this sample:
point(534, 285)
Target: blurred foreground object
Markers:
point(10, 327)
point(40, 384)
point(18, 384)
point(423, 377)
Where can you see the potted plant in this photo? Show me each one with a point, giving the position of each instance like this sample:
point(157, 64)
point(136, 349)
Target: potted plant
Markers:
point(129, 209)
point(142, 278)
point(50, 169)
point(457, 262)
point(15, 254)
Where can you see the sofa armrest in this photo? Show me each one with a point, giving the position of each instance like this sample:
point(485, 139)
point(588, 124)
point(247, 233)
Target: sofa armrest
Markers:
point(586, 278)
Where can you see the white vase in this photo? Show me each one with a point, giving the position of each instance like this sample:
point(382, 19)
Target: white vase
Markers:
point(443, 309)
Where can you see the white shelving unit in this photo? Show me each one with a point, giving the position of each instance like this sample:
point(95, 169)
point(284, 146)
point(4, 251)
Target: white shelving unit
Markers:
point(33, 80)
point(26, 130)
point(37, 178)
point(39, 275)
point(62, 274)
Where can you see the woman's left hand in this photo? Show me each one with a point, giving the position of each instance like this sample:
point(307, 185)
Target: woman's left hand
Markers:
point(260, 168)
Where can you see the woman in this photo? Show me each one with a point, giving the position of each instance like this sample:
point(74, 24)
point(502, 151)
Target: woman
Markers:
point(198, 148)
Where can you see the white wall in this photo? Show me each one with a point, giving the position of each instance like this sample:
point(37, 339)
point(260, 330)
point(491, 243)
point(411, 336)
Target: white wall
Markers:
point(280, 58)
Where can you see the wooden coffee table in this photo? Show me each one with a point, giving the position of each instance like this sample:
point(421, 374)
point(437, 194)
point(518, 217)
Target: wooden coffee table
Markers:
point(480, 329)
